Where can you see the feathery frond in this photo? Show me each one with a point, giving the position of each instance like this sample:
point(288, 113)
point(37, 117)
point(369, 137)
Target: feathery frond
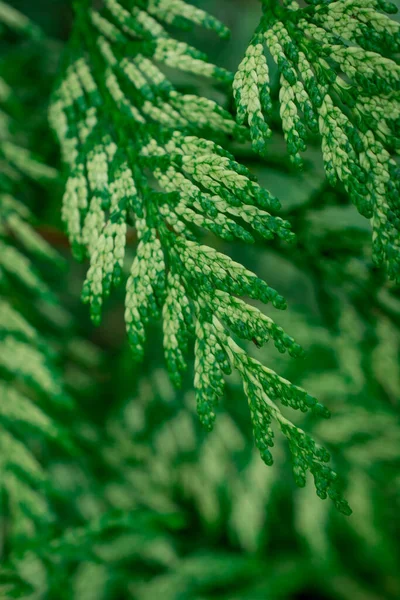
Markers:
point(138, 151)
point(339, 77)
point(31, 388)
point(112, 484)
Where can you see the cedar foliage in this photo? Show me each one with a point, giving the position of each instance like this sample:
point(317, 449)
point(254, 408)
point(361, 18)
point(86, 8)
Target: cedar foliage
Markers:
point(118, 118)
point(106, 506)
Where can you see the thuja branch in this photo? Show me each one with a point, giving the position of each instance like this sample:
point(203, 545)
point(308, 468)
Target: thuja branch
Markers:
point(141, 153)
point(338, 78)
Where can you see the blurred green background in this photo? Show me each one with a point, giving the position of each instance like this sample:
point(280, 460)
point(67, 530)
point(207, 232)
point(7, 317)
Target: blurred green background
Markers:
point(152, 507)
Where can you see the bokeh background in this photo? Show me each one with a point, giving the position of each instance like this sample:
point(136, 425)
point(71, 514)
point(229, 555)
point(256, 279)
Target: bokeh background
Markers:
point(196, 516)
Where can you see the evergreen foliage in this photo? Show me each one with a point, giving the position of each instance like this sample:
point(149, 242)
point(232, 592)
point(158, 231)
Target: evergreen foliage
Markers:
point(110, 487)
point(36, 337)
point(31, 385)
point(338, 78)
point(136, 152)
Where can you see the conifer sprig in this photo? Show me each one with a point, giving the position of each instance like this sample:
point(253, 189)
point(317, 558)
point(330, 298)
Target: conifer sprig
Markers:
point(339, 77)
point(31, 386)
point(31, 389)
point(140, 151)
